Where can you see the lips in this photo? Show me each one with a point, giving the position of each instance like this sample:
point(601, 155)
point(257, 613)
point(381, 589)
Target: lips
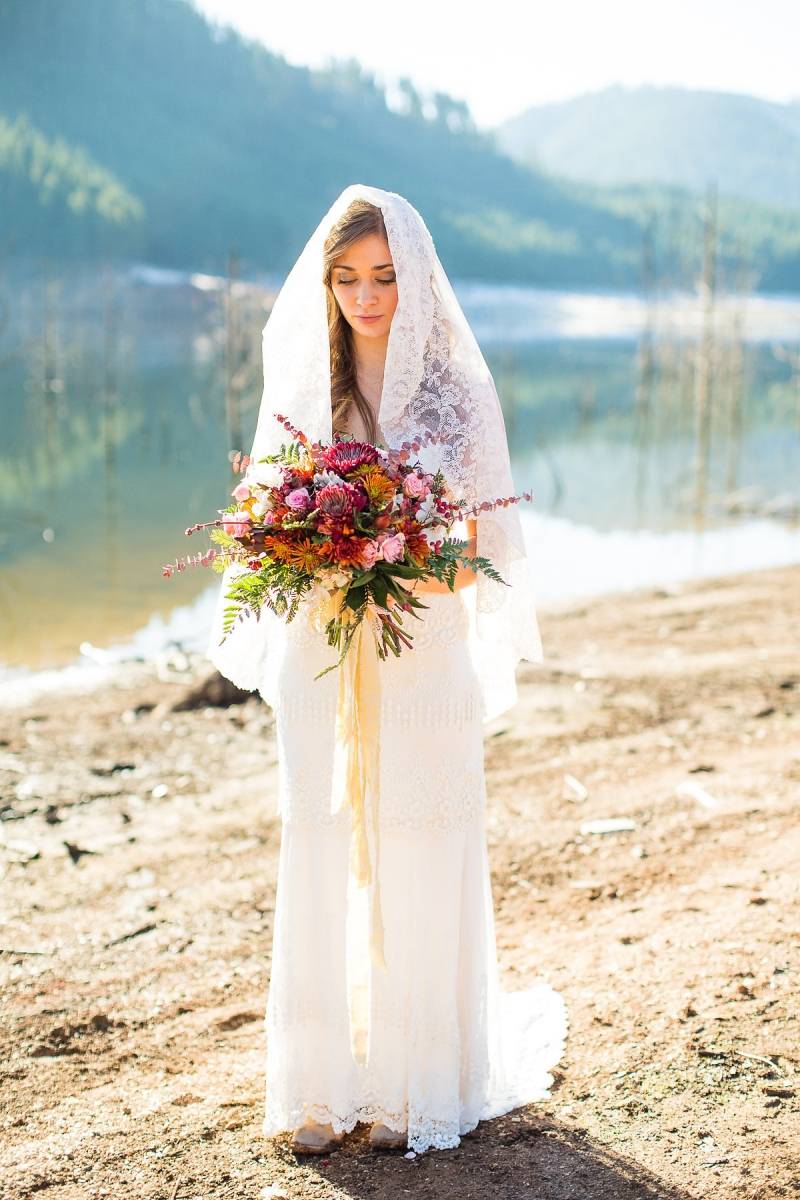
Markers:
point(376, 317)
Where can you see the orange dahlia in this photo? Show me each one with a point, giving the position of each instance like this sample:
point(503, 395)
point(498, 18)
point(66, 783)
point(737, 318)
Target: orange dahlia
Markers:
point(277, 548)
point(378, 487)
point(348, 551)
point(305, 554)
point(418, 548)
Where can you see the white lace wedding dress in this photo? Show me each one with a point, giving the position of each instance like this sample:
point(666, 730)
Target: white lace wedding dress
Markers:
point(449, 1047)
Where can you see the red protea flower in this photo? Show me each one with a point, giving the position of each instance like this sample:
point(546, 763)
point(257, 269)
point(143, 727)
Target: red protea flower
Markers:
point(343, 457)
point(340, 500)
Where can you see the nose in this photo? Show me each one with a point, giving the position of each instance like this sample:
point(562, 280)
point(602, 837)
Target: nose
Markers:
point(366, 295)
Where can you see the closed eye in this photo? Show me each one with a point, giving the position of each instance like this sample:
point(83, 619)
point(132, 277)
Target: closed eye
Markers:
point(387, 281)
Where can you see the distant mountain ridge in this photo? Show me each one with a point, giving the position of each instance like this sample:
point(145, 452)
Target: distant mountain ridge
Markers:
point(665, 135)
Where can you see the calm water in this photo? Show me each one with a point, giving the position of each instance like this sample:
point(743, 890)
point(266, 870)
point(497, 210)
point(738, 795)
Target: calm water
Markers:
point(122, 395)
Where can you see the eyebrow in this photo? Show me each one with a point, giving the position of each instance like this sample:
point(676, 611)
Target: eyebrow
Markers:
point(344, 267)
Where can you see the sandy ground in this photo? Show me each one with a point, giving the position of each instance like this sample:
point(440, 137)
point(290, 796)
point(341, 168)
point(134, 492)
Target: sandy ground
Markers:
point(138, 862)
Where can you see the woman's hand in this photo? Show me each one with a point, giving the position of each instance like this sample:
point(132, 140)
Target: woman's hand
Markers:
point(252, 540)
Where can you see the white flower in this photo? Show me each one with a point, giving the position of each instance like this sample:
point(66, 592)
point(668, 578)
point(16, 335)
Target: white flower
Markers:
point(266, 474)
point(324, 478)
point(426, 508)
point(261, 506)
point(435, 533)
point(332, 577)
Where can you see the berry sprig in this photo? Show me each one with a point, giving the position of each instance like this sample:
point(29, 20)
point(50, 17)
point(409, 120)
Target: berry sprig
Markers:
point(486, 505)
point(195, 560)
point(296, 433)
point(429, 438)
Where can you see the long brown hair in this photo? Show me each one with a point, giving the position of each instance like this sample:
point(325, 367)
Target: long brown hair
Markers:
point(359, 220)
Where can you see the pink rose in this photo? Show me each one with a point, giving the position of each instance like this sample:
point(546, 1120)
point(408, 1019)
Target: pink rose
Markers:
point(298, 499)
point(236, 524)
point(415, 487)
point(369, 555)
point(393, 547)
point(241, 492)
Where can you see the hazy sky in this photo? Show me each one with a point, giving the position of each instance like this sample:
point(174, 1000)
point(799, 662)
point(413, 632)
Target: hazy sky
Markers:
point(504, 55)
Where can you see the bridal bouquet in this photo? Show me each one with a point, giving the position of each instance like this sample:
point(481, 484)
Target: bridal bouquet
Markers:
point(359, 522)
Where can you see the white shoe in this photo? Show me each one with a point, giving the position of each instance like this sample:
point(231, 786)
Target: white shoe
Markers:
point(384, 1138)
point(313, 1138)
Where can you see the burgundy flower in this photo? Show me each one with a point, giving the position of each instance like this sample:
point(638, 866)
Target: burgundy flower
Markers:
point(342, 457)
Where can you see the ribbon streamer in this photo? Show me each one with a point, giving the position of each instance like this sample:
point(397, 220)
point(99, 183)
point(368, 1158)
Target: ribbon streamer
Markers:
point(356, 784)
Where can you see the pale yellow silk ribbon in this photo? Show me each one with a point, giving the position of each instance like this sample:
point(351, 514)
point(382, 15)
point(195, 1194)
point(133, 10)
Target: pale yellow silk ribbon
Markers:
point(356, 783)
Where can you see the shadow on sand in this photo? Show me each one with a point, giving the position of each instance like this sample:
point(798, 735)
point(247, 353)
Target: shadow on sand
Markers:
point(521, 1156)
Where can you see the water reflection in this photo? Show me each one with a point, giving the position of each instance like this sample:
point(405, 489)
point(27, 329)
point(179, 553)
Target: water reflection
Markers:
point(123, 392)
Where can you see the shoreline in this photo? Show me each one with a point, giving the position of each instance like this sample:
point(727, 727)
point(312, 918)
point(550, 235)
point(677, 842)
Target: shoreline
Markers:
point(177, 640)
point(571, 562)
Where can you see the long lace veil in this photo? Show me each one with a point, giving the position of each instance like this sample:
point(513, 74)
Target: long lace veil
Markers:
point(435, 379)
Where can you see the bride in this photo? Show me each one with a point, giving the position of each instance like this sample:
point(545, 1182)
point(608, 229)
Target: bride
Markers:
point(367, 341)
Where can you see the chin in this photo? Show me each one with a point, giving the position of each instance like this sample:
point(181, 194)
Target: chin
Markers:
point(372, 329)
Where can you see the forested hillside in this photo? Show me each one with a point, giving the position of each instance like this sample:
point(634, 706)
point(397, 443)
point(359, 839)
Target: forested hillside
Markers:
point(136, 128)
point(55, 193)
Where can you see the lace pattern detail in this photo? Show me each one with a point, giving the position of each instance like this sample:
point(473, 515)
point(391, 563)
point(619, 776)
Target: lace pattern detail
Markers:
point(441, 791)
point(450, 1049)
point(457, 401)
point(526, 1037)
point(428, 1134)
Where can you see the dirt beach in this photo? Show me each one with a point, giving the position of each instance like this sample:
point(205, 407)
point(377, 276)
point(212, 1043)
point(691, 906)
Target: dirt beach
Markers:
point(138, 880)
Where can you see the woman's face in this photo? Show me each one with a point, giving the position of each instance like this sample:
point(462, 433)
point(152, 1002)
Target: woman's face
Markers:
point(365, 286)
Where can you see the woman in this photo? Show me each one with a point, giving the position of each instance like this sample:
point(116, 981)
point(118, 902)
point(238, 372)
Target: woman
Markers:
point(367, 340)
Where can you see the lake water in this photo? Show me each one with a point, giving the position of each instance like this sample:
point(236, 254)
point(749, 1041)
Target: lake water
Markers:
point(123, 392)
